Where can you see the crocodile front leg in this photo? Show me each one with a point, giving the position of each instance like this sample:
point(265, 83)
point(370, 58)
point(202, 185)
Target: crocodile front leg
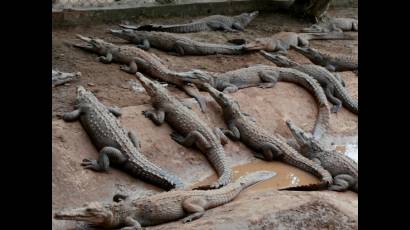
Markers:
point(193, 137)
point(342, 182)
point(302, 42)
point(194, 92)
point(270, 152)
point(237, 26)
point(72, 116)
point(144, 45)
point(107, 59)
point(157, 116)
point(115, 111)
point(228, 88)
point(221, 136)
point(132, 68)
point(103, 162)
point(195, 206)
point(270, 77)
point(232, 131)
point(337, 104)
point(131, 224)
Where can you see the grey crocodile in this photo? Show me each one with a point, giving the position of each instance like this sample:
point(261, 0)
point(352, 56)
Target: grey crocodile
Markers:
point(136, 59)
point(242, 126)
point(190, 130)
point(343, 169)
point(175, 43)
point(334, 24)
point(133, 213)
point(331, 61)
point(265, 76)
point(332, 84)
point(214, 22)
point(281, 42)
point(117, 146)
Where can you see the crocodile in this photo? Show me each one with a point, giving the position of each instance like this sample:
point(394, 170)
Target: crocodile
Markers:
point(343, 169)
point(214, 22)
point(116, 146)
point(331, 61)
point(243, 127)
point(175, 43)
point(266, 76)
point(334, 24)
point(332, 84)
point(133, 213)
point(281, 42)
point(136, 59)
point(190, 130)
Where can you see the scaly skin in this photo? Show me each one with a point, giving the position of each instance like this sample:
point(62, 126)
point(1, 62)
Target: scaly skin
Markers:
point(116, 146)
point(135, 213)
point(175, 43)
point(331, 61)
point(343, 169)
point(334, 24)
point(190, 130)
point(267, 146)
point(332, 84)
point(135, 59)
point(281, 42)
point(214, 22)
point(266, 76)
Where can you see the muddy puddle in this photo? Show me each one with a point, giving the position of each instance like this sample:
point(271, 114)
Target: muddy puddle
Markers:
point(286, 175)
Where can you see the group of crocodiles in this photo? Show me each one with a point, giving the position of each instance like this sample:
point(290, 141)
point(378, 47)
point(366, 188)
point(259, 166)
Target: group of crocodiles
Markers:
point(121, 148)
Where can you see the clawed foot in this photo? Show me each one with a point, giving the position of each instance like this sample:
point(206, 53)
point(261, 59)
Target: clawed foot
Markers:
point(187, 219)
point(177, 137)
point(90, 164)
point(259, 156)
point(335, 108)
point(145, 113)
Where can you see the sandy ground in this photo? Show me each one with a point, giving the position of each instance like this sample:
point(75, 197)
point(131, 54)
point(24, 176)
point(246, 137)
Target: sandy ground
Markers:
point(72, 185)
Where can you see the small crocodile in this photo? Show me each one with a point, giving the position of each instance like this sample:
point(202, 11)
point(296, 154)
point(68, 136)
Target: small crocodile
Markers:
point(175, 43)
point(135, 59)
point(343, 169)
point(281, 42)
point(332, 84)
point(190, 130)
point(214, 22)
point(117, 146)
point(133, 213)
point(242, 126)
point(331, 61)
point(334, 24)
point(266, 76)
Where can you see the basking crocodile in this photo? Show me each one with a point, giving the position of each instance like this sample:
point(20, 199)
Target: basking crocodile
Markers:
point(214, 22)
point(175, 43)
point(133, 213)
point(343, 169)
point(190, 130)
point(267, 146)
point(331, 61)
point(332, 83)
point(266, 76)
point(334, 24)
point(135, 59)
point(117, 146)
point(281, 42)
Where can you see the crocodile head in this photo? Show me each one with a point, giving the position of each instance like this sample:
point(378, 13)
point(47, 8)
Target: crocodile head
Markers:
point(245, 18)
point(84, 96)
point(257, 44)
point(309, 52)
point(197, 76)
point(230, 107)
point(278, 59)
point(95, 213)
point(155, 90)
point(305, 140)
point(95, 45)
point(315, 29)
point(126, 34)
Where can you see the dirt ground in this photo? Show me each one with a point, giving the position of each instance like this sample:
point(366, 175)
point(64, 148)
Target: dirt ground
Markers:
point(73, 186)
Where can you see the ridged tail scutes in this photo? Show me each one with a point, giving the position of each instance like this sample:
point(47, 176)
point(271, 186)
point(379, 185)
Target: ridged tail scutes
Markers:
point(322, 122)
point(310, 187)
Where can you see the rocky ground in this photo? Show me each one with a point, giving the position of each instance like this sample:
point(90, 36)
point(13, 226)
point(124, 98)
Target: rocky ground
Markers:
point(261, 208)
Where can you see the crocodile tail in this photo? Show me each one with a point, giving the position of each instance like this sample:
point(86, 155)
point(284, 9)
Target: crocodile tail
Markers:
point(310, 187)
point(322, 122)
point(183, 28)
point(326, 36)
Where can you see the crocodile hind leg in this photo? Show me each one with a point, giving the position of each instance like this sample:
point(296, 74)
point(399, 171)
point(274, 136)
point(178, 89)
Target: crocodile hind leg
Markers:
point(195, 206)
point(132, 68)
point(221, 136)
point(156, 116)
point(337, 104)
point(106, 155)
point(192, 138)
point(270, 78)
point(233, 132)
point(193, 91)
point(144, 45)
point(342, 182)
point(270, 152)
point(131, 224)
point(72, 116)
